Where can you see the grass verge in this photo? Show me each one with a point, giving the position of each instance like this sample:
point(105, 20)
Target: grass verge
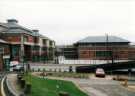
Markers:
point(49, 87)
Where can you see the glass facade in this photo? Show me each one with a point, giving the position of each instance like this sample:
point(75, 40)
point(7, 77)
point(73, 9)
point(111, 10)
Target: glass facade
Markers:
point(15, 51)
point(6, 64)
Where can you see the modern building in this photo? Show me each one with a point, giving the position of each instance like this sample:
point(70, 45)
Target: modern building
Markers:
point(102, 48)
point(68, 51)
point(26, 43)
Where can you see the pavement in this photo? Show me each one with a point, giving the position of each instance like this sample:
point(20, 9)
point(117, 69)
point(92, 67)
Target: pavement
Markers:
point(13, 84)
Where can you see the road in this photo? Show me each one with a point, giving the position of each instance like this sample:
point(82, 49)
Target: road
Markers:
point(100, 87)
point(104, 87)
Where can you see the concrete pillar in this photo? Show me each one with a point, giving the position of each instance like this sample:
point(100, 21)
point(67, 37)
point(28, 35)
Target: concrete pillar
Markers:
point(22, 49)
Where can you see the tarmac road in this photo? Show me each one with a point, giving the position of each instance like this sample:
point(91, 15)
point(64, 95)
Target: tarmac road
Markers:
point(103, 87)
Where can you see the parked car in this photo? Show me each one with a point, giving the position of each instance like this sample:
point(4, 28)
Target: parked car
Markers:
point(100, 72)
point(18, 67)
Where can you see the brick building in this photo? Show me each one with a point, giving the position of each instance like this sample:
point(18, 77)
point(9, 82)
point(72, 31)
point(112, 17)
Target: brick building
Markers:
point(4, 55)
point(26, 43)
point(69, 51)
point(103, 48)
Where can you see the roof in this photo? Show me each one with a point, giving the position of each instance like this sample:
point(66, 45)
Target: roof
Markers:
point(132, 43)
point(3, 24)
point(102, 39)
point(14, 27)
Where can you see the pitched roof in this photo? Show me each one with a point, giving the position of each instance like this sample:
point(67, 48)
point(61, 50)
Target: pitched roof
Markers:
point(14, 27)
point(102, 39)
point(3, 24)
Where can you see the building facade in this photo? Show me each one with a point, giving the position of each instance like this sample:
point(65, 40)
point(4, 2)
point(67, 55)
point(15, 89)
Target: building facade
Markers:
point(68, 51)
point(4, 55)
point(26, 43)
point(102, 48)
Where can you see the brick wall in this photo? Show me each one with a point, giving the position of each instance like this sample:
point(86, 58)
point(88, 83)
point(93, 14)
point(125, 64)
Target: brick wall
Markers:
point(13, 39)
point(117, 53)
point(31, 39)
point(6, 50)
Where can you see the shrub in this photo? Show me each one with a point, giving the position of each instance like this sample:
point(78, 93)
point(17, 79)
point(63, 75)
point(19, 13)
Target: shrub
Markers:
point(44, 70)
point(38, 69)
point(27, 89)
point(33, 70)
point(22, 83)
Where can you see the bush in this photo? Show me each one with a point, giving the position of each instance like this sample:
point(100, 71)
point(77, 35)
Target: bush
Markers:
point(44, 70)
point(27, 89)
point(22, 83)
point(38, 69)
point(33, 70)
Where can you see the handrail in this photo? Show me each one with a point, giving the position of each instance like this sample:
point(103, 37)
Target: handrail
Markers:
point(6, 89)
point(2, 87)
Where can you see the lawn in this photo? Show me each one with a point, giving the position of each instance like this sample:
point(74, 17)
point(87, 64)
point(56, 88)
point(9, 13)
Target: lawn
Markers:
point(49, 87)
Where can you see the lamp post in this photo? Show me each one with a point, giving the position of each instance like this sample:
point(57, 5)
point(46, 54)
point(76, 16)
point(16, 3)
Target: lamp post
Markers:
point(107, 48)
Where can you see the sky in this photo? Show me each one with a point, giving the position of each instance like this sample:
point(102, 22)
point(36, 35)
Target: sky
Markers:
point(67, 21)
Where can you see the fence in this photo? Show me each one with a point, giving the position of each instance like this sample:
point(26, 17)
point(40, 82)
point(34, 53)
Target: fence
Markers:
point(91, 62)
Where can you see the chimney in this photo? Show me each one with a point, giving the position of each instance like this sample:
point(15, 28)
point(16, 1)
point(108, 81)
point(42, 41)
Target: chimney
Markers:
point(12, 21)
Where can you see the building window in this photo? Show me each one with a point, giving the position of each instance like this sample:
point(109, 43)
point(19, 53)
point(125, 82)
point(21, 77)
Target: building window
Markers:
point(103, 53)
point(44, 41)
point(84, 52)
point(51, 43)
point(1, 50)
point(36, 39)
point(44, 49)
point(25, 38)
point(35, 48)
point(15, 50)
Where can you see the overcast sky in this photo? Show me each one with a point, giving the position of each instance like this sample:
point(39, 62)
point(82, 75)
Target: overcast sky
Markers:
point(67, 21)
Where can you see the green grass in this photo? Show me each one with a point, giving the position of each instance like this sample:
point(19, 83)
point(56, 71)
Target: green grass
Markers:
point(49, 87)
